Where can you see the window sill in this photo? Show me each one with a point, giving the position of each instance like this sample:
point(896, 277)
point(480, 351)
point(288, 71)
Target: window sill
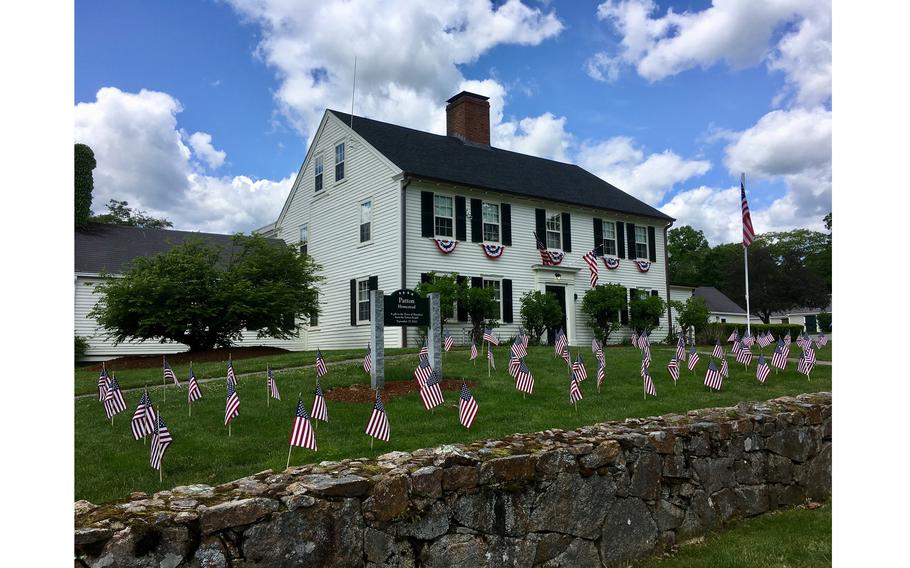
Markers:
point(339, 182)
point(444, 238)
point(365, 244)
point(320, 194)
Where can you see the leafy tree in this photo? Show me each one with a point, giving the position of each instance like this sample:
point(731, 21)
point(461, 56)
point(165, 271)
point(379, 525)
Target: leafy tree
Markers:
point(692, 314)
point(202, 296)
point(83, 183)
point(824, 321)
point(645, 312)
point(686, 248)
point(603, 304)
point(539, 311)
point(481, 307)
point(80, 347)
point(119, 213)
point(449, 289)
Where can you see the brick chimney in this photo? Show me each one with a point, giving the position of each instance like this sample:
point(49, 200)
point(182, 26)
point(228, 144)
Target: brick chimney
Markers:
point(468, 118)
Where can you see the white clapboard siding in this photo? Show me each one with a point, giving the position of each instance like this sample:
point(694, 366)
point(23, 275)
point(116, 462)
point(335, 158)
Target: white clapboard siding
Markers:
point(102, 348)
point(333, 220)
point(469, 260)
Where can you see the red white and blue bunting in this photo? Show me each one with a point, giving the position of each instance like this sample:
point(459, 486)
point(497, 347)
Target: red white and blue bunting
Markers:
point(446, 246)
point(556, 256)
point(643, 265)
point(611, 262)
point(493, 251)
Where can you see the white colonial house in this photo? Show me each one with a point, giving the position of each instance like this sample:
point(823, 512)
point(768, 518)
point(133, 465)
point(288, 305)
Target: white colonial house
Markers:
point(379, 206)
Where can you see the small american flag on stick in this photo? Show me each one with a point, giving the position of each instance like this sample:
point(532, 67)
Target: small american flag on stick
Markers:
point(590, 259)
point(724, 368)
point(648, 384)
point(734, 336)
point(473, 351)
point(272, 384)
point(231, 376)
point(560, 343)
point(368, 361)
point(673, 369)
point(103, 381)
point(524, 380)
point(578, 367)
point(320, 412)
point(519, 349)
point(779, 358)
point(378, 426)
point(821, 339)
point(321, 369)
point(601, 373)
point(448, 342)
point(422, 372)
point(547, 257)
point(231, 405)
point(302, 433)
point(113, 398)
point(143, 422)
point(744, 356)
point(193, 392)
point(490, 355)
point(713, 378)
point(161, 439)
point(680, 349)
point(693, 358)
point(488, 336)
point(169, 373)
point(467, 407)
point(514, 364)
point(718, 351)
point(431, 394)
point(424, 351)
point(574, 389)
point(763, 370)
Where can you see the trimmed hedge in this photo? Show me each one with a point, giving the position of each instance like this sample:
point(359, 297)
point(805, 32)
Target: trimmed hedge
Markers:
point(722, 331)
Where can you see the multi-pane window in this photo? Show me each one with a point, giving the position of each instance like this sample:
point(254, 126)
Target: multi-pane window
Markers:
point(554, 230)
point(366, 221)
point(497, 294)
point(363, 300)
point(445, 214)
point(491, 222)
point(318, 169)
point(339, 162)
point(314, 316)
point(641, 242)
point(304, 238)
point(609, 233)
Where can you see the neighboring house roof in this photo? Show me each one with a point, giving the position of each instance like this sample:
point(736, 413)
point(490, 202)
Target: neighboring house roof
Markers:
point(446, 158)
point(801, 312)
point(108, 248)
point(717, 301)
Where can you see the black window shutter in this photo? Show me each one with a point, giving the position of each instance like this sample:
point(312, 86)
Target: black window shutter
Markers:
point(476, 221)
point(540, 217)
point(461, 313)
point(353, 301)
point(630, 231)
point(426, 214)
point(566, 233)
point(620, 240)
point(373, 283)
point(476, 282)
point(461, 221)
point(506, 300)
point(655, 293)
point(652, 245)
point(598, 232)
point(424, 277)
point(505, 217)
point(624, 315)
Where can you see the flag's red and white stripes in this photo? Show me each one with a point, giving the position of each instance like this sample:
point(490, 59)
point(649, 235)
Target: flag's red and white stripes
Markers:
point(473, 351)
point(748, 231)
point(763, 370)
point(693, 358)
point(231, 405)
point(321, 369)
point(574, 389)
point(368, 361)
point(524, 380)
point(103, 381)
point(578, 367)
point(161, 439)
point(779, 358)
point(718, 351)
point(231, 375)
point(590, 259)
point(169, 373)
point(422, 372)
point(303, 434)
point(673, 369)
point(272, 384)
point(143, 422)
point(431, 393)
point(113, 398)
point(193, 393)
point(320, 412)
point(649, 384)
point(713, 378)
point(744, 356)
point(378, 426)
point(724, 368)
point(448, 342)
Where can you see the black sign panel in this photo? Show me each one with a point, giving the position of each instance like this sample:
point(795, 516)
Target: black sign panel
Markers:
point(406, 307)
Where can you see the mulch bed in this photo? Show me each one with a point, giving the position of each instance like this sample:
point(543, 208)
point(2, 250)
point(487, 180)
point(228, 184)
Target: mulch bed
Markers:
point(215, 355)
point(393, 389)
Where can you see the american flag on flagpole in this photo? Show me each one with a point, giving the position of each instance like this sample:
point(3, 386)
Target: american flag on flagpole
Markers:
point(273, 385)
point(448, 342)
point(103, 381)
point(231, 376)
point(547, 257)
point(693, 358)
point(578, 367)
point(713, 378)
point(193, 393)
point(231, 405)
point(113, 398)
point(524, 380)
point(302, 433)
point(321, 369)
point(161, 439)
point(143, 422)
point(431, 394)
point(467, 407)
point(673, 369)
point(648, 384)
point(169, 373)
point(320, 412)
point(378, 426)
point(574, 389)
point(368, 361)
point(763, 370)
point(473, 351)
point(748, 231)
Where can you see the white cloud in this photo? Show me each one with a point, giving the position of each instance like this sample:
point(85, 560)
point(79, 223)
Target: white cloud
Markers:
point(142, 159)
point(738, 33)
point(201, 142)
point(543, 136)
point(714, 211)
point(647, 177)
point(407, 65)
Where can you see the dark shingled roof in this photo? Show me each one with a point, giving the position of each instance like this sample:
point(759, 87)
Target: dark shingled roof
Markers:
point(108, 248)
point(716, 300)
point(448, 159)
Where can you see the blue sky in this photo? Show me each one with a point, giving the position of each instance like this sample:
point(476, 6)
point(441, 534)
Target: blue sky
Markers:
point(202, 111)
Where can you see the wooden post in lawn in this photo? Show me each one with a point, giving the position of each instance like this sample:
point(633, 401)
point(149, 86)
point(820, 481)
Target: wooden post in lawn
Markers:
point(163, 379)
point(268, 392)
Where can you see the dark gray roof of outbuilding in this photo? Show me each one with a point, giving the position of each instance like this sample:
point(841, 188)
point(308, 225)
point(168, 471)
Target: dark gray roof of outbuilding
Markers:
point(716, 300)
point(108, 248)
point(448, 159)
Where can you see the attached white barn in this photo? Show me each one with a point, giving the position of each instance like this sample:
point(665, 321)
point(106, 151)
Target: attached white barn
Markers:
point(721, 308)
point(375, 204)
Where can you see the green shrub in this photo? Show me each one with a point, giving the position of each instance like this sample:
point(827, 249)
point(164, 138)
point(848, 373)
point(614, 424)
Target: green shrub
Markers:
point(539, 311)
point(81, 347)
point(602, 305)
point(824, 321)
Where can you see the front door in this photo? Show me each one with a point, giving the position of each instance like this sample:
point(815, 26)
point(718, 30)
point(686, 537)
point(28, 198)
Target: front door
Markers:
point(560, 293)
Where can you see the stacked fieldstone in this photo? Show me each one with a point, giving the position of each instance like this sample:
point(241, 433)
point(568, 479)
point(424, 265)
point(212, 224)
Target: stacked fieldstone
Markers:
point(599, 495)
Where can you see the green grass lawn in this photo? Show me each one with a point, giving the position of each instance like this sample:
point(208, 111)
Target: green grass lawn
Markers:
point(110, 464)
point(797, 537)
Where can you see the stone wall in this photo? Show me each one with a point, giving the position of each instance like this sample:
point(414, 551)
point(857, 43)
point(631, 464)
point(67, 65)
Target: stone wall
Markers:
point(599, 495)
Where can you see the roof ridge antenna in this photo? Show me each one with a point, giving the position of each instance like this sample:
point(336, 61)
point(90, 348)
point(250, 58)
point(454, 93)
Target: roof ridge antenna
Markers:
point(353, 86)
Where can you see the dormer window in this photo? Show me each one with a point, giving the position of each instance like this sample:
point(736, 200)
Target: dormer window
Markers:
point(318, 170)
point(339, 162)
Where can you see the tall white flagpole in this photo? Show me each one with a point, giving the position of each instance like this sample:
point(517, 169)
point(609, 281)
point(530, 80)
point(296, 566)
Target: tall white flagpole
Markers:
point(742, 181)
